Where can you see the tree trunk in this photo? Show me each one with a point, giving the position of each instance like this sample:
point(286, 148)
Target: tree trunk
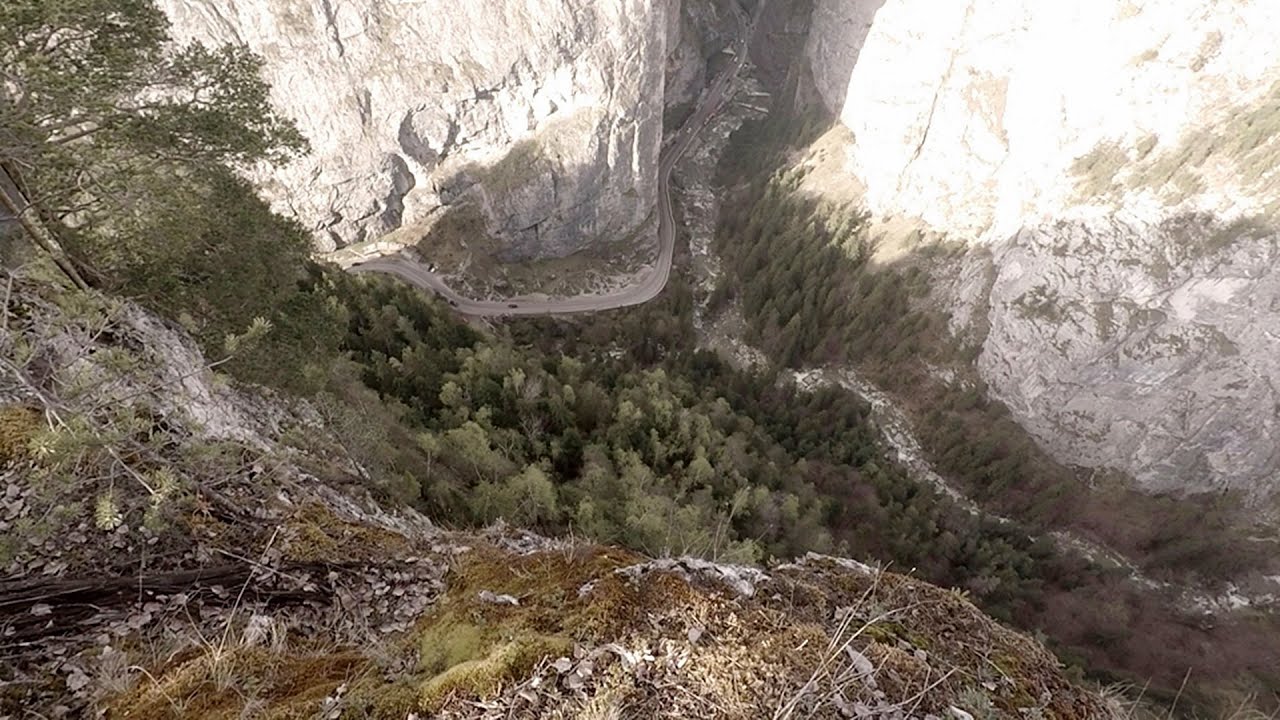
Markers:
point(40, 235)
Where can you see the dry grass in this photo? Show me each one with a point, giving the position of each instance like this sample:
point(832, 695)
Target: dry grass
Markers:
point(818, 638)
point(828, 176)
point(18, 426)
point(956, 640)
point(315, 533)
point(1147, 56)
point(222, 686)
point(1097, 171)
point(1209, 50)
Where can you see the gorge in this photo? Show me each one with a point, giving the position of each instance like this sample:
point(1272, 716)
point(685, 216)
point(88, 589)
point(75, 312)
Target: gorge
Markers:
point(1115, 205)
point(589, 353)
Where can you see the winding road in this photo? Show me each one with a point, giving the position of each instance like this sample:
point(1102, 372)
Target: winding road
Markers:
point(648, 288)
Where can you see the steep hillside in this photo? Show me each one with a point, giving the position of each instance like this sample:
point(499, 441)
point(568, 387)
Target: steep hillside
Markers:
point(173, 548)
point(1109, 165)
point(810, 281)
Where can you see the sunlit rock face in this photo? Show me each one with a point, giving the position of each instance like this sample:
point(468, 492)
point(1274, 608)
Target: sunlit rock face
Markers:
point(1113, 162)
point(546, 113)
point(974, 115)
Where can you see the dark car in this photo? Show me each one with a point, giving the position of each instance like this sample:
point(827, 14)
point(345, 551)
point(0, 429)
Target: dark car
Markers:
point(512, 305)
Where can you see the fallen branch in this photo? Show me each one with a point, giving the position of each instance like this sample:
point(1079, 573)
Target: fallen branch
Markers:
point(41, 607)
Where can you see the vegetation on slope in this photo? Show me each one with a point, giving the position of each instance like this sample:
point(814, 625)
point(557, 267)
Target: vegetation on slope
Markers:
point(100, 111)
point(117, 151)
point(802, 272)
point(599, 632)
point(682, 455)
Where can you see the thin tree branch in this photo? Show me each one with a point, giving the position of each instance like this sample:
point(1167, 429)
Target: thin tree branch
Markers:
point(40, 235)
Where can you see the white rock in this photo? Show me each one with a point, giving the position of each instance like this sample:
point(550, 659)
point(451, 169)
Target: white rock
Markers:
point(1141, 355)
point(487, 596)
point(862, 665)
point(971, 114)
point(1131, 324)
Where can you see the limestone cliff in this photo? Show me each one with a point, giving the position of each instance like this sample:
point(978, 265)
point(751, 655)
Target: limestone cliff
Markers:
point(548, 114)
point(1112, 166)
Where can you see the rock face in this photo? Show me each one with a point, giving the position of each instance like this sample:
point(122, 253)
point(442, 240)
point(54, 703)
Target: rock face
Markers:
point(546, 113)
point(1113, 165)
point(696, 31)
point(1121, 343)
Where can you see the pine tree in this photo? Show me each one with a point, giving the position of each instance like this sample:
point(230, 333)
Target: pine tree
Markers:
point(99, 107)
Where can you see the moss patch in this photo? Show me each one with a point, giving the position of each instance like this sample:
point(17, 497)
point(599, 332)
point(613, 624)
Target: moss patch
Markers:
point(754, 654)
point(469, 648)
point(447, 642)
point(18, 425)
point(484, 676)
point(316, 534)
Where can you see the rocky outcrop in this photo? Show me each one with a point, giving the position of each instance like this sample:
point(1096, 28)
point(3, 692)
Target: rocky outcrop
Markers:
point(1114, 164)
point(547, 114)
point(975, 116)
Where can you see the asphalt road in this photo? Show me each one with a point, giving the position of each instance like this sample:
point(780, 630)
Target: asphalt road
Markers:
point(647, 289)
